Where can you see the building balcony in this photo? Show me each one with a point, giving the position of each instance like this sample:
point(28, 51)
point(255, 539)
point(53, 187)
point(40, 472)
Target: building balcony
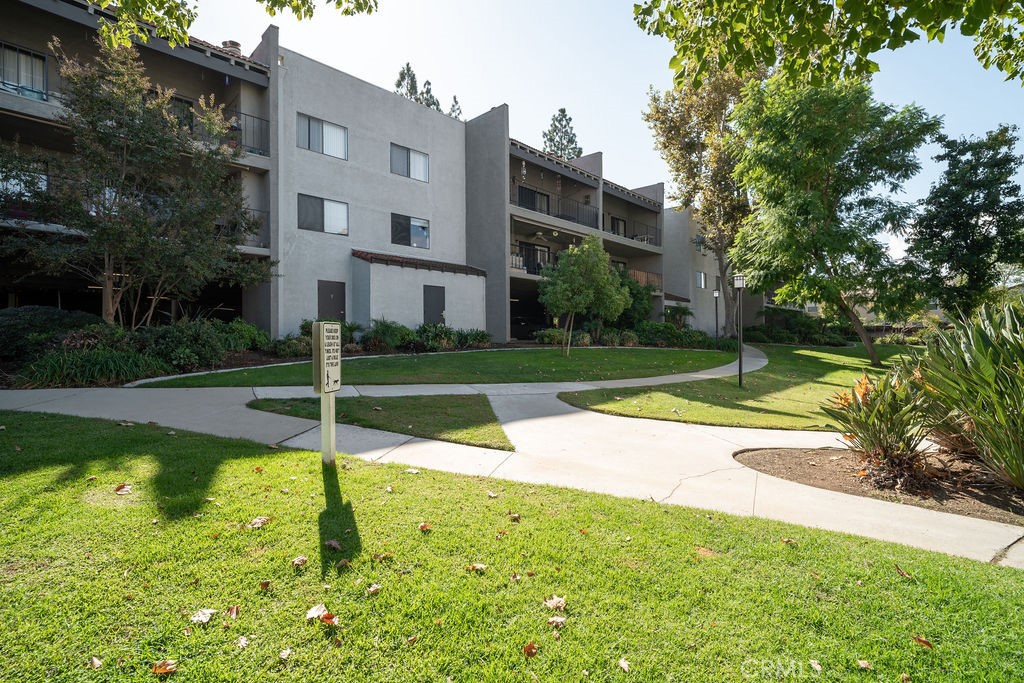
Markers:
point(646, 278)
point(539, 200)
point(634, 230)
point(529, 259)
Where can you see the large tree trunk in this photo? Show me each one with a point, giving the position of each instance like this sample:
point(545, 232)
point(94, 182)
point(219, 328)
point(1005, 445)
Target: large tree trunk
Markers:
point(728, 295)
point(862, 332)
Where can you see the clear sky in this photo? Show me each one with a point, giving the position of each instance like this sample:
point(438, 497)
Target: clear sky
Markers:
point(587, 56)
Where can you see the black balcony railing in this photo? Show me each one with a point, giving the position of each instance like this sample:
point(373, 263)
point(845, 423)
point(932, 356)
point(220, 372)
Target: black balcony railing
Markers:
point(537, 199)
point(531, 259)
point(261, 238)
point(250, 132)
point(634, 230)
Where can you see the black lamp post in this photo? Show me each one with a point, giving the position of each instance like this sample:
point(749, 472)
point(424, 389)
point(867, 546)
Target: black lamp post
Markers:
point(738, 283)
point(716, 294)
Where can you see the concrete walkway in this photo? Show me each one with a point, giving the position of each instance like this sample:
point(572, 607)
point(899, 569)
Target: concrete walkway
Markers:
point(670, 462)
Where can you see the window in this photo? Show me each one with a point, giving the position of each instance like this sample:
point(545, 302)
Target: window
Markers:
point(23, 71)
point(323, 215)
point(410, 163)
point(702, 280)
point(321, 136)
point(533, 200)
point(410, 232)
point(618, 226)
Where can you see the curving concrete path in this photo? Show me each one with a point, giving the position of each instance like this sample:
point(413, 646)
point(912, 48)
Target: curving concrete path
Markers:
point(670, 462)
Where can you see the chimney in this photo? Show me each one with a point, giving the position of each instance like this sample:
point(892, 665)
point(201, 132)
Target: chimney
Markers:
point(232, 46)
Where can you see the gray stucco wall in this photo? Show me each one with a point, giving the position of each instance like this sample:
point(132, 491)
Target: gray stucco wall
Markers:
point(396, 293)
point(487, 212)
point(375, 118)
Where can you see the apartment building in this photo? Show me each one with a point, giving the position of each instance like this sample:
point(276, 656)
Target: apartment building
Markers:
point(372, 205)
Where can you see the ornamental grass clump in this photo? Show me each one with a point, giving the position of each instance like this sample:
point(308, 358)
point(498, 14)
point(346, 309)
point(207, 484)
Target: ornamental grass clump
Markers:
point(884, 423)
point(975, 374)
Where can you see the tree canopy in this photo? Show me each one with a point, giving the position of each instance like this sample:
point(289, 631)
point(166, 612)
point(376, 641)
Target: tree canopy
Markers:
point(582, 282)
point(971, 222)
point(816, 160)
point(822, 40)
point(693, 132)
point(150, 207)
point(560, 138)
point(407, 86)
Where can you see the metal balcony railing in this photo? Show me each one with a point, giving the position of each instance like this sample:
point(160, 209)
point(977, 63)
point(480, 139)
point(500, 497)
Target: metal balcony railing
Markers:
point(530, 259)
point(23, 72)
point(540, 200)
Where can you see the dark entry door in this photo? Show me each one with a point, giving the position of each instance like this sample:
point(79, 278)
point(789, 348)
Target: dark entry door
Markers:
point(330, 300)
point(433, 304)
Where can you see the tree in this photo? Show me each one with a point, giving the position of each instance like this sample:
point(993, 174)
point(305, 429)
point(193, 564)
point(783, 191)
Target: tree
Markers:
point(816, 160)
point(560, 138)
point(150, 207)
point(581, 282)
point(427, 98)
point(823, 40)
point(692, 131)
point(971, 222)
point(455, 111)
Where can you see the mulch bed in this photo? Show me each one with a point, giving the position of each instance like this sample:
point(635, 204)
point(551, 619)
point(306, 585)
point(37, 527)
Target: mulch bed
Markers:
point(958, 486)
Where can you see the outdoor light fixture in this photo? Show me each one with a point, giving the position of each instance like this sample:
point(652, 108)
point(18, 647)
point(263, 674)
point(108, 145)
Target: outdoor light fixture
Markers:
point(739, 282)
point(716, 294)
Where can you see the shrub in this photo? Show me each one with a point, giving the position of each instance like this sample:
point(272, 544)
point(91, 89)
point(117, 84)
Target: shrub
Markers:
point(349, 329)
point(651, 333)
point(976, 374)
point(352, 349)
point(782, 336)
point(90, 367)
point(611, 337)
point(581, 339)
point(26, 329)
point(436, 337)
point(293, 346)
point(475, 339)
point(553, 335)
point(385, 336)
point(629, 338)
point(755, 335)
point(885, 424)
point(241, 335)
point(186, 346)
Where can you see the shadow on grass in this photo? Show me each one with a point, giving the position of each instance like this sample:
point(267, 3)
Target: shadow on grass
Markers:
point(337, 523)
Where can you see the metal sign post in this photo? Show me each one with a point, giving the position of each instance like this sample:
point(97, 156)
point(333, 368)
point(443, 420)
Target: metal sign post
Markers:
point(326, 381)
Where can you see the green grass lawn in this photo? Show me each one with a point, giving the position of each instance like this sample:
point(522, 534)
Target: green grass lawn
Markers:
point(460, 419)
point(680, 594)
point(786, 394)
point(479, 367)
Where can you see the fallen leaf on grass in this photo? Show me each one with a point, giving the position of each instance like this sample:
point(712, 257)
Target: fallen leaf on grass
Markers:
point(242, 642)
point(584, 532)
point(388, 490)
point(257, 469)
point(502, 533)
point(530, 649)
point(91, 477)
point(333, 545)
point(703, 551)
point(923, 642)
point(258, 522)
point(412, 639)
point(424, 527)
point(300, 561)
point(902, 572)
point(816, 665)
point(555, 603)
point(412, 470)
point(515, 517)
point(556, 621)
point(383, 557)
point(203, 616)
point(165, 667)
point(343, 564)
point(285, 653)
point(233, 611)
point(377, 408)
point(788, 540)
point(624, 665)
point(904, 678)
point(864, 664)
point(126, 424)
point(329, 619)
point(515, 577)
point(123, 489)
point(862, 473)
point(476, 567)
point(316, 611)
point(492, 494)
point(95, 662)
point(530, 573)
point(373, 589)
point(264, 585)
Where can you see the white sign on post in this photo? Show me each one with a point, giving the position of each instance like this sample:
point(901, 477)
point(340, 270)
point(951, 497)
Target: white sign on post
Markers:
point(326, 381)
